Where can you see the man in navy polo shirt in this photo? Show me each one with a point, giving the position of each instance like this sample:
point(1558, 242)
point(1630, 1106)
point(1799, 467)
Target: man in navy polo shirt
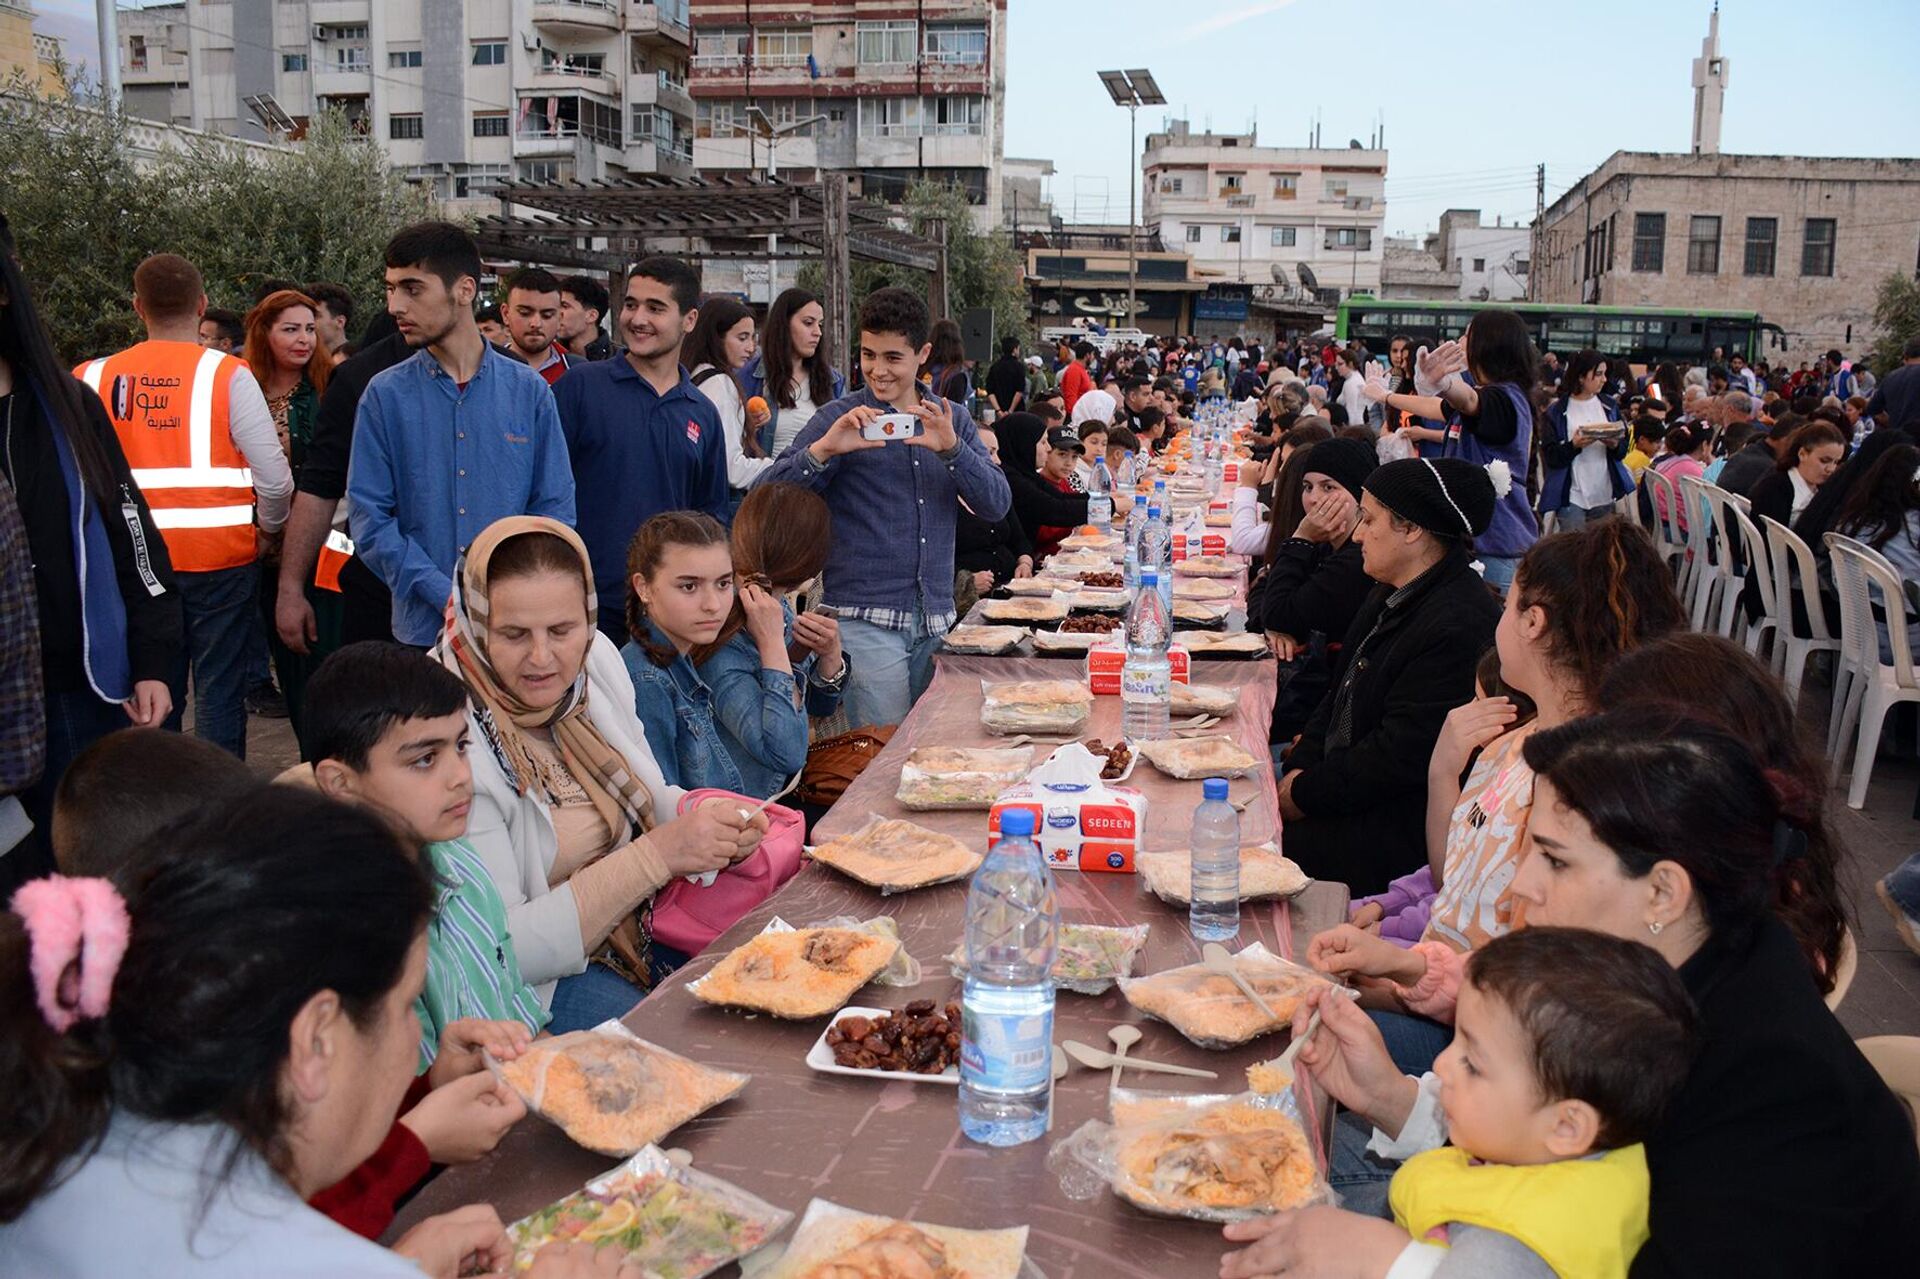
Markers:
point(641, 437)
point(894, 505)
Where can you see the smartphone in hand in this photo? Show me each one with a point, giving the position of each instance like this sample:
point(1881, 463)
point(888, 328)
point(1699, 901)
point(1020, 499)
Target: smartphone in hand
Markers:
point(796, 651)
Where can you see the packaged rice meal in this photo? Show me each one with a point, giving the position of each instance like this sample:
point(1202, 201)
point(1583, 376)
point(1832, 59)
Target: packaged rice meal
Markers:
point(1207, 699)
point(671, 1222)
point(1089, 538)
point(984, 639)
point(1067, 562)
point(894, 856)
point(1264, 872)
point(796, 973)
point(957, 777)
point(1208, 566)
point(1205, 1157)
point(1091, 958)
point(1201, 588)
point(1200, 612)
point(1040, 585)
point(1035, 706)
point(612, 1091)
point(1190, 757)
point(833, 1242)
point(1094, 599)
point(1210, 1009)
point(1064, 641)
point(1211, 645)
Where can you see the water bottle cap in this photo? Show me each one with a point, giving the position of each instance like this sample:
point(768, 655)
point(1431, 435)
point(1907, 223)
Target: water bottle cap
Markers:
point(1149, 577)
point(1214, 788)
point(1016, 822)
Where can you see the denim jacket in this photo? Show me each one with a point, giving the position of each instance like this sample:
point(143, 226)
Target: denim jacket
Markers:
point(676, 709)
point(765, 733)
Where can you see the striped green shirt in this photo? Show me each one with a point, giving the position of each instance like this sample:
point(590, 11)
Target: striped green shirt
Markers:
point(471, 968)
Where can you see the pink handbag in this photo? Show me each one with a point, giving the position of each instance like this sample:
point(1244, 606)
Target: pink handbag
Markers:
point(688, 916)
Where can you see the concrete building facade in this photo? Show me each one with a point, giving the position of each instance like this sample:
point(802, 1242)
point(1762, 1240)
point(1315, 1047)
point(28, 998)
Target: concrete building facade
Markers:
point(1254, 215)
point(1491, 261)
point(463, 94)
point(1803, 240)
point(886, 91)
point(31, 54)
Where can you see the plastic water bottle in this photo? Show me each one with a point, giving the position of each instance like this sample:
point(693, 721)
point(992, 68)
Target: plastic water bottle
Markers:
point(1130, 567)
point(1214, 914)
point(1213, 464)
point(1136, 517)
point(1100, 497)
point(1006, 1046)
point(1146, 680)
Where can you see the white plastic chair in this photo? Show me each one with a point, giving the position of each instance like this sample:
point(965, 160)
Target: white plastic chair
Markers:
point(1792, 559)
point(1701, 587)
point(1731, 564)
point(1753, 543)
point(1873, 686)
point(1666, 528)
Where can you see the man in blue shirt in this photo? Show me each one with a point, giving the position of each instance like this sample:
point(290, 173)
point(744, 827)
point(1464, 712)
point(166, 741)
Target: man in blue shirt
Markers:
point(449, 440)
point(642, 438)
point(894, 505)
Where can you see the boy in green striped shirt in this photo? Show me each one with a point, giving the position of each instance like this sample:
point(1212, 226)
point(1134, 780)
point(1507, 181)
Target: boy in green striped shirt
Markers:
point(387, 726)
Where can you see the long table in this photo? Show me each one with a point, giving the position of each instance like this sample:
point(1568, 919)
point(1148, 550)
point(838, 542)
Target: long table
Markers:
point(895, 1147)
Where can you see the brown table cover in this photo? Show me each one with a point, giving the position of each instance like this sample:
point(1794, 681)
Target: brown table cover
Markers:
point(895, 1147)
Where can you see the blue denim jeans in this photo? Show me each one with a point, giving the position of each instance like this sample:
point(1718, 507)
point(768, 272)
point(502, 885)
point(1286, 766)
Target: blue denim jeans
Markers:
point(1413, 1042)
point(1572, 517)
point(1497, 570)
point(1903, 885)
point(584, 1000)
point(219, 612)
point(1361, 1178)
point(890, 669)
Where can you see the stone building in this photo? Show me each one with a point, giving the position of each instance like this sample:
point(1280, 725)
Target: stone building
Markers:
point(1803, 240)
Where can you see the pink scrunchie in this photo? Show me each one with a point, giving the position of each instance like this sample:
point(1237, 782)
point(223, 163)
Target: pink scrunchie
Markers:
point(73, 921)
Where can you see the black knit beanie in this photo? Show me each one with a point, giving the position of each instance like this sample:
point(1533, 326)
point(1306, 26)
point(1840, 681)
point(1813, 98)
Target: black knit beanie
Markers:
point(1445, 495)
point(1347, 463)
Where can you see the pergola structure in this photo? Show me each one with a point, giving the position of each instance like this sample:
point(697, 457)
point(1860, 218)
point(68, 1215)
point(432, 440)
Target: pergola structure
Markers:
point(606, 225)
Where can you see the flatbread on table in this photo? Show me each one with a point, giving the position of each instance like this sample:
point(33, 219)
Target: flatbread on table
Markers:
point(1243, 643)
point(806, 973)
point(1210, 699)
point(984, 639)
point(1024, 608)
point(613, 1092)
point(894, 855)
point(1264, 872)
point(1201, 588)
point(1208, 566)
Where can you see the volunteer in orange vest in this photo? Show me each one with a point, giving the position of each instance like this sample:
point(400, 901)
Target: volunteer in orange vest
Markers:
point(203, 449)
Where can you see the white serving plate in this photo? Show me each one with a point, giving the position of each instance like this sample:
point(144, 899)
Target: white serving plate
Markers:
point(820, 1057)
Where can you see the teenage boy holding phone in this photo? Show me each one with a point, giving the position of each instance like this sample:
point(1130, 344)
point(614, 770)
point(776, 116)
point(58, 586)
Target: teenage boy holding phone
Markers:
point(894, 505)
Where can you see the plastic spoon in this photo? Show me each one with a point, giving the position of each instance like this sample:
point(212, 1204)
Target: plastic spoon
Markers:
point(1100, 1059)
point(1059, 1072)
point(1284, 1062)
point(1123, 1037)
point(1220, 961)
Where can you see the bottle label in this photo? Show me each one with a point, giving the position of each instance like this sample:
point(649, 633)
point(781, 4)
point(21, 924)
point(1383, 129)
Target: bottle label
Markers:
point(1006, 1053)
point(1137, 685)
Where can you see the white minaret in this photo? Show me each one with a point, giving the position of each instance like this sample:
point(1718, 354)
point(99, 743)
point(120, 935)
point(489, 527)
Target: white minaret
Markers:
point(1709, 89)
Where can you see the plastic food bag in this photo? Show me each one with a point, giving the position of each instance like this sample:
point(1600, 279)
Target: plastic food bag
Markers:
point(672, 1222)
point(897, 856)
point(989, 640)
point(1209, 1008)
point(1189, 757)
point(1091, 957)
point(956, 777)
point(829, 1233)
point(612, 1091)
point(811, 976)
point(1035, 706)
point(1264, 872)
point(904, 970)
point(1205, 1157)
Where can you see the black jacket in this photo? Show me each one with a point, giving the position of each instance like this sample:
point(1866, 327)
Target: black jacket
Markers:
point(1036, 502)
point(1784, 1156)
point(989, 546)
point(1747, 468)
point(1772, 497)
point(1407, 665)
point(155, 636)
point(1311, 587)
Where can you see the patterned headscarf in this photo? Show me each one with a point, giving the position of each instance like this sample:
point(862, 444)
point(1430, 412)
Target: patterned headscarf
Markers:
point(618, 794)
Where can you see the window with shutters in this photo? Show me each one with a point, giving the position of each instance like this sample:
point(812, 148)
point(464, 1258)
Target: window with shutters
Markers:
point(1762, 237)
point(1816, 249)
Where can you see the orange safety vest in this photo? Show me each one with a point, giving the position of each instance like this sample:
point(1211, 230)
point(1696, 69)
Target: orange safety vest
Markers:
point(168, 402)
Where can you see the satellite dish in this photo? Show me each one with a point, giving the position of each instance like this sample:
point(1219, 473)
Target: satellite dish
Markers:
point(1353, 144)
point(1279, 273)
point(1307, 280)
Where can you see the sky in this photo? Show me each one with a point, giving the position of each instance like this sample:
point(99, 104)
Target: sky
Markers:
point(1472, 93)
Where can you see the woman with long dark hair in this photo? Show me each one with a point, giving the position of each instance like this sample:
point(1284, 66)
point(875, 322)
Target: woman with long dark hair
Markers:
point(109, 618)
point(947, 363)
point(794, 370)
point(1811, 457)
point(1585, 445)
point(721, 344)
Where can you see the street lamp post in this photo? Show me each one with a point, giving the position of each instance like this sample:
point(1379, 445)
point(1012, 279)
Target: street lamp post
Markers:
point(774, 132)
point(1132, 89)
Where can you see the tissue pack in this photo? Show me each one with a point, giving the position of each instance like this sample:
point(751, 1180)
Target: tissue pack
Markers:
point(1080, 822)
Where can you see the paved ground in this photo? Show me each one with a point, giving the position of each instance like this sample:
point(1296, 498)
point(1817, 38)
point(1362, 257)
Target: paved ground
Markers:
point(1885, 996)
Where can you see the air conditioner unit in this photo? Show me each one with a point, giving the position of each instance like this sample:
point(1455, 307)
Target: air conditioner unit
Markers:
point(529, 41)
point(320, 31)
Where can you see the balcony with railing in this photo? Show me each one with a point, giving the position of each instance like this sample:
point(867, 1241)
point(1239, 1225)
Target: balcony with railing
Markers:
point(651, 88)
point(577, 17)
point(569, 77)
point(664, 20)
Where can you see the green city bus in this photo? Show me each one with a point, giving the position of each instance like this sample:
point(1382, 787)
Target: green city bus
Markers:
point(1644, 335)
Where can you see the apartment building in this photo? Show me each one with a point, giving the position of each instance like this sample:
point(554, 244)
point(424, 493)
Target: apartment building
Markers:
point(887, 92)
point(1803, 240)
point(1254, 215)
point(463, 94)
point(1492, 261)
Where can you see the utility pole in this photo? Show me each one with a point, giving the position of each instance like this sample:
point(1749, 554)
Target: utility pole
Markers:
point(1539, 234)
point(107, 15)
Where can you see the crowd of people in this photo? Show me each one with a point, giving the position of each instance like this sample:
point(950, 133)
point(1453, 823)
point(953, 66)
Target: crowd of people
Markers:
point(544, 608)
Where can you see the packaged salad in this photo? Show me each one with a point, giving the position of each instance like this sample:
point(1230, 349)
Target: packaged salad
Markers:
point(672, 1222)
point(958, 777)
point(1092, 957)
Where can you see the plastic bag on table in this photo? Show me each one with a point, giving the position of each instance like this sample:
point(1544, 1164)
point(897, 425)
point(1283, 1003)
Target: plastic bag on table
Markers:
point(1209, 1157)
point(897, 856)
point(1092, 957)
point(1210, 1009)
point(812, 976)
point(936, 778)
point(612, 1091)
point(830, 1233)
point(904, 970)
point(1035, 706)
point(668, 1220)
